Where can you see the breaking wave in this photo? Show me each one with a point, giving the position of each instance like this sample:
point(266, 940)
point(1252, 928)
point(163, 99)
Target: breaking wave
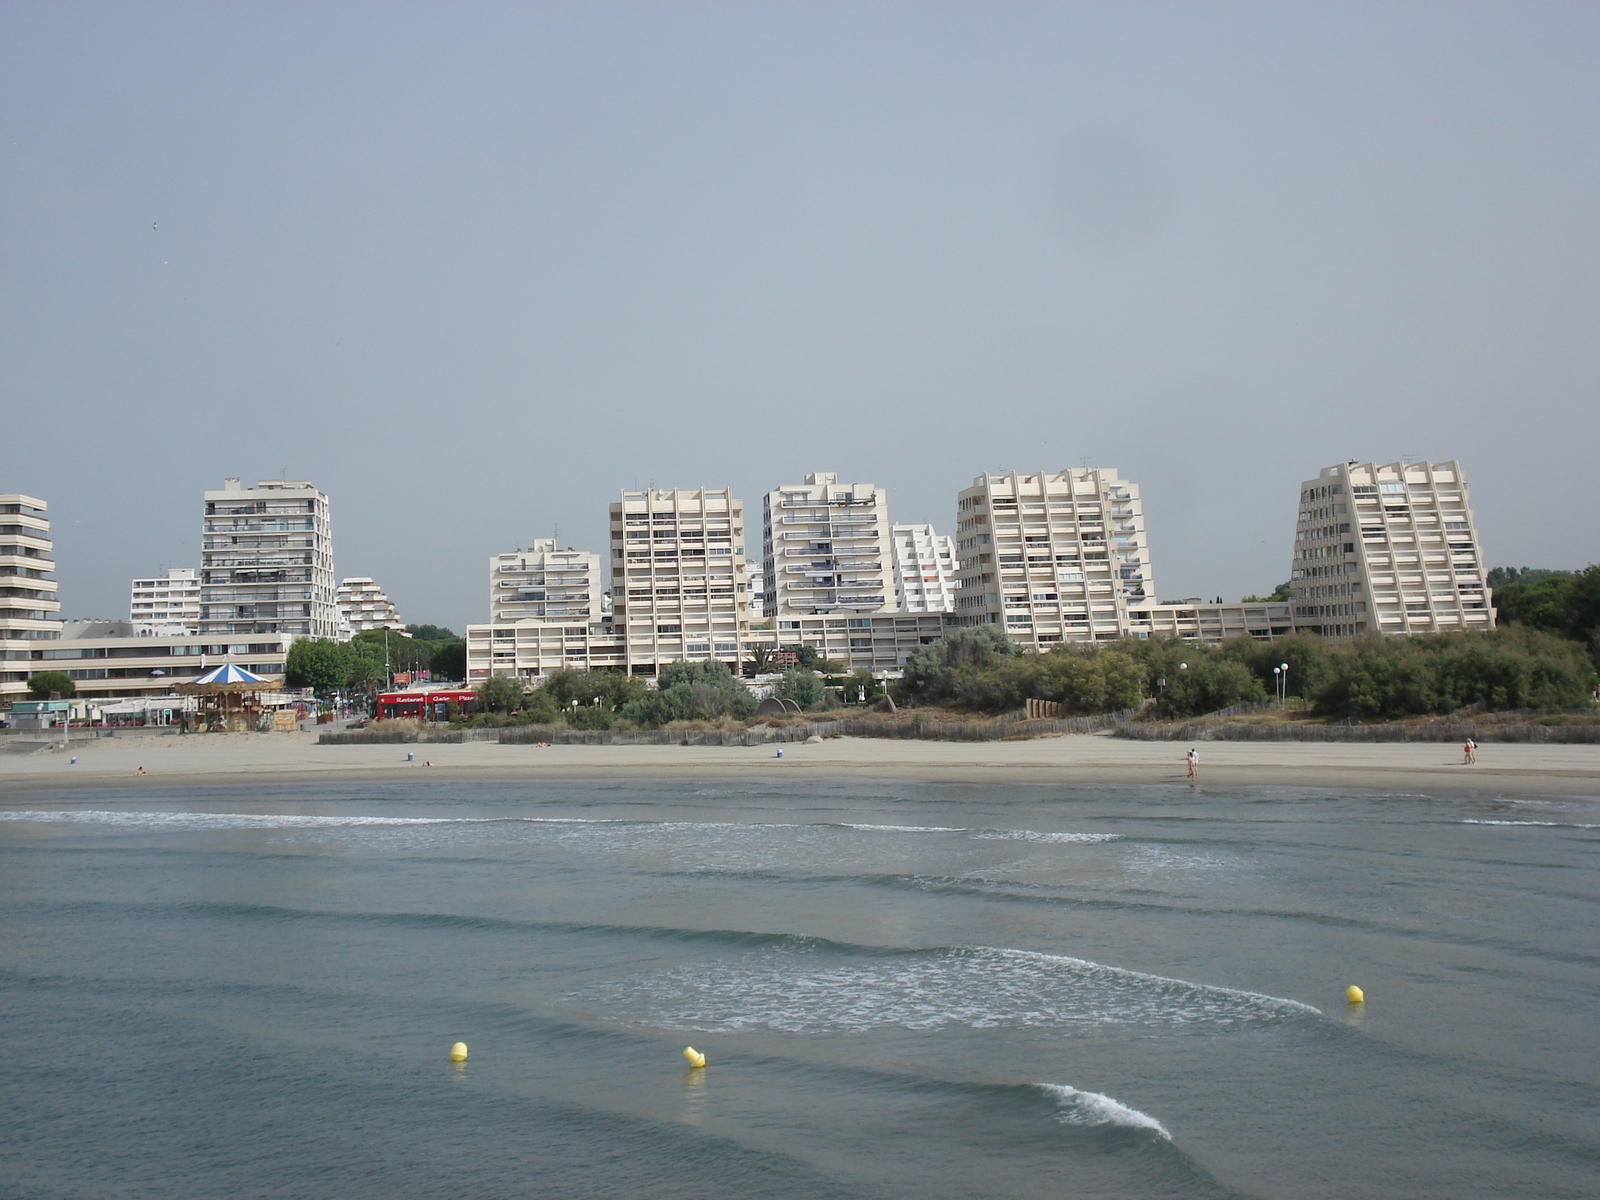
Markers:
point(786, 990)
point(1094, 1108)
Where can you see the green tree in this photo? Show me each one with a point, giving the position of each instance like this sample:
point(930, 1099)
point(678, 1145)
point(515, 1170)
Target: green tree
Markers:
point(692, 692)
point(41, 685)
point(432, 633)
point(449, 660)
point(1279, 594)
point(1210, 681)
point(807, 656)
point(319, 664)
point(615, 689)
point(499, 694)
point(1379, 677)
point(1499, 577)
point(365, 676)
point(393, 651)
point(932, 672)
point(1310, 661)
point(858, 681)
point(799, 685)
point(760, 661)
point(1539, 604)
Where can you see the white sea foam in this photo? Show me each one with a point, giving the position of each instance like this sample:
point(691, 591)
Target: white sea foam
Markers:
point(1095, 1108)
point(905, 828)
point(789, 990)
point(1035, 835)
point(1551, 824)
point(206, 820)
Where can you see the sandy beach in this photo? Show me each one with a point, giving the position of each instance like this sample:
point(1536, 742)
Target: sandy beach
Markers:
point(241, 758)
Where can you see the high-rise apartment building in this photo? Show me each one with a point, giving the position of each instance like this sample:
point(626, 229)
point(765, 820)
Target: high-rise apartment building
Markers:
point(364, 605)
point(1052, 557)
point(824, 549)
point(170, 600)
point(924, 569)
point(677, 576)
point(29, 606)
point(1387, 548)
point(267, 561)
point(545, 584)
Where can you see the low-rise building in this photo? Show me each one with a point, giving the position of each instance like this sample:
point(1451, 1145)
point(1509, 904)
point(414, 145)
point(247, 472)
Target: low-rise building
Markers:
point(110, 660)
point(170, 600)
point(29, 606)
point(878, 643)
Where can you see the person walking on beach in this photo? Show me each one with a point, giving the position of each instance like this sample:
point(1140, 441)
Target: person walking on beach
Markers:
point(1193, 759)
point(1469, 752)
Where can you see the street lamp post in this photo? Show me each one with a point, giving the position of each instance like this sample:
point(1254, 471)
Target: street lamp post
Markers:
point(1284, 702)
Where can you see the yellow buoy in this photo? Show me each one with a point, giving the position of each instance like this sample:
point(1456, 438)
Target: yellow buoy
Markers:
point(696, 1059)
point(1355, 995)
point(458, 1052)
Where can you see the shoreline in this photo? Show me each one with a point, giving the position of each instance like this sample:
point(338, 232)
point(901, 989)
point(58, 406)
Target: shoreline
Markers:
point(278, 758)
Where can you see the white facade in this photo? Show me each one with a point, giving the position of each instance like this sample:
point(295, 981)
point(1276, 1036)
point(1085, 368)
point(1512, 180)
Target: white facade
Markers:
point(1388, 548)
point(924, 569)
point(171, 600)
point(29, 606)
point(677, 576)
point(545, 584)
point(267, 561)
point(878, 643)
point(111, 660)
point(824, 549)
point(1052, 557)
point(363, 605)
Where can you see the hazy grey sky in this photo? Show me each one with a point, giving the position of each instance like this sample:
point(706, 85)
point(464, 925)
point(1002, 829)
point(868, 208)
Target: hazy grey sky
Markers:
point(472, 268)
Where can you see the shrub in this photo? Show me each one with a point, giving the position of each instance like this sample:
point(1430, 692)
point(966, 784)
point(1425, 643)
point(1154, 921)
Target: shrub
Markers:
point(499, 694)
point(41, 685)
point(1379, 677)
point(799, 685)
point(691, 692)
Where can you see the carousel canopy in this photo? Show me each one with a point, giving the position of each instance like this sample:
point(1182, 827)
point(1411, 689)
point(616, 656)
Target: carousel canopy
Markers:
point(226, 678)
point(228, 673)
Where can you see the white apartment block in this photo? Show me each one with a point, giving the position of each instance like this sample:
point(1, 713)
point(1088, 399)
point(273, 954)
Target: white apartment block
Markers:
point(1197, 621)
point(531, 649)
point(545, 584)
point(824, 549)
point(1052, 557)
point(677, 576)
point(924, 569)
point(1390, 548)
point(878, 643)
point(29, 606)
point(267, 561)
point(170, 601)
point(755, 597)
point(363, 605)
point(112, 660)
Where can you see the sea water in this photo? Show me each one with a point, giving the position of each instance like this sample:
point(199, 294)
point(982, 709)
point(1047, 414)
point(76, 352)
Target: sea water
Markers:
point(903, 990)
